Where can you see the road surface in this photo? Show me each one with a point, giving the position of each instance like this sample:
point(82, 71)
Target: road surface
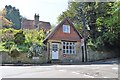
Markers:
point(61, 71)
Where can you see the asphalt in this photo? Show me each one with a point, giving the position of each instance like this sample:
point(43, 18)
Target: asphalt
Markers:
point(61, 71)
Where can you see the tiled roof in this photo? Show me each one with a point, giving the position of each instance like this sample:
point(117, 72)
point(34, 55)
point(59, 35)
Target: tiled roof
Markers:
point(29, 24)
point(4, 21)
point(56, 28)
point(45, 25)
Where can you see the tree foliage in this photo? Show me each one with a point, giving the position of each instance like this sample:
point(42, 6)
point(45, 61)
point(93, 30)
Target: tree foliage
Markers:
point(13, 15)
point(111, 38)
point(102, 19)
point(7, 38)
point(21, 40)
point(34, 36)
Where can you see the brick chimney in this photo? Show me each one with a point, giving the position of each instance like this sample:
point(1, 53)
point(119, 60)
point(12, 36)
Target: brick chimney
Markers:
point(36, 20)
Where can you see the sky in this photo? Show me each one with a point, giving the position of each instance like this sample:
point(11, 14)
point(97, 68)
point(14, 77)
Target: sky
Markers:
point(48, 10)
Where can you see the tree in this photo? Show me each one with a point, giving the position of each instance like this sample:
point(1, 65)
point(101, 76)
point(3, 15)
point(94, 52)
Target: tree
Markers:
point(13, 15)
point(92, 11)
point(102, 19)
point(111, 37)
point(33, 36)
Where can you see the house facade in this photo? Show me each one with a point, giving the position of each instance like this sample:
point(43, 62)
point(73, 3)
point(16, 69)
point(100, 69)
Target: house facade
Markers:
point(35, 24)
point(64, 43)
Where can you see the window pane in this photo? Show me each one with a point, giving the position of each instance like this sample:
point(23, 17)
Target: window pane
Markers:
point(73, 51)
point(73, 43)
point(63, 47)
point(70, 51)
point(63, 43)
point(66, 51)
point(66, 47)
point(67, 43)
point(52, 49)
point(63, 51)
point(66, 28)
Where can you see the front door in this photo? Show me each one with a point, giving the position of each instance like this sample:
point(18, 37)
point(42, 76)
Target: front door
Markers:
point(55, 51)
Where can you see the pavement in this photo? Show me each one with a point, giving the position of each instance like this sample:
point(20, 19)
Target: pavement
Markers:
point(92, 70)
point(106, 61)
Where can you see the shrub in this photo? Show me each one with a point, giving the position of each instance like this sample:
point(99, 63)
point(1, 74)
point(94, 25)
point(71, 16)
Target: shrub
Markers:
point(23, 48)
point(14, 53)
point(7, 35)
point(22, 39)
point(36, 50)
point(19, 38)
point(8, 45)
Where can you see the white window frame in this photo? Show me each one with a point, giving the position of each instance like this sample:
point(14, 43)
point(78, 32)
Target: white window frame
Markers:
point(66, 28)
point(69, 51)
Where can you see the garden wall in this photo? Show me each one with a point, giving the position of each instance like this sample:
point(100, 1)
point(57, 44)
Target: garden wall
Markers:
point(99, 55)
point(22, 59)
point(92, 56)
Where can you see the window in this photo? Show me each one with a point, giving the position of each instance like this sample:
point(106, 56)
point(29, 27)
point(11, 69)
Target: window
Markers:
point(54, 47)
point(66, 28)
point(69, 48)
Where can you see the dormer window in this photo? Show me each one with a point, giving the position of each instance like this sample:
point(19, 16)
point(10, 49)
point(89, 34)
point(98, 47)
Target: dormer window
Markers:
point(66, 28)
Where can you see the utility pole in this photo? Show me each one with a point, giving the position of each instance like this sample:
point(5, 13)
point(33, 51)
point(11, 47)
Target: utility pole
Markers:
point(84, 34)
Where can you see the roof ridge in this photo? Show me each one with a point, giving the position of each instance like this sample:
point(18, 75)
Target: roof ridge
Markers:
point(33, 20)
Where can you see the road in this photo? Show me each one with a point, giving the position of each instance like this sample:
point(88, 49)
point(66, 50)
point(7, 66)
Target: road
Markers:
point(61, 71)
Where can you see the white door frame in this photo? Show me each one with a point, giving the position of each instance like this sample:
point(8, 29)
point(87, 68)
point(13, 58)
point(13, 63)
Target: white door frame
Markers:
point(55, 55)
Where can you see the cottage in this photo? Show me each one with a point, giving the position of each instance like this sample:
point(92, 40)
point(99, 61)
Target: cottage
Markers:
point(64, 43)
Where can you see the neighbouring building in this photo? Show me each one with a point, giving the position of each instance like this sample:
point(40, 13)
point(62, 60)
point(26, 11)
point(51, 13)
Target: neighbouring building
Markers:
point(64, 43)
point(35, 24)
point(4, 23)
